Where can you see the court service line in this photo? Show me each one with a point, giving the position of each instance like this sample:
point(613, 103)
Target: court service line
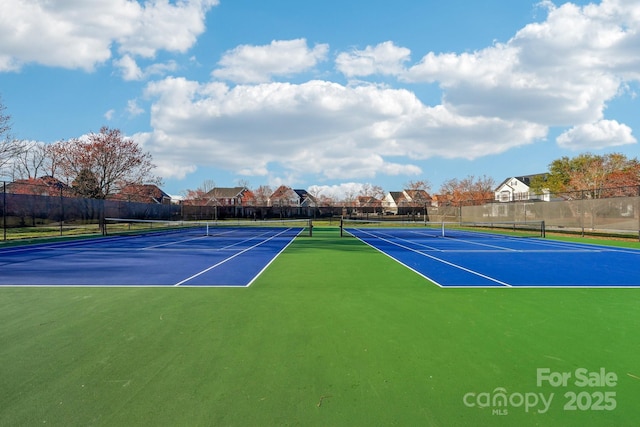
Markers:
point(229, 258)
point(476, 273)
point(200, 238)
point(406, 240)
point(471, 242)
point(171, 243)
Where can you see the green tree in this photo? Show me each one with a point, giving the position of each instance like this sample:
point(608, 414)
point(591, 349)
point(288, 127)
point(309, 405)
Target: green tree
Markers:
point(589, 173)
point(86, 185)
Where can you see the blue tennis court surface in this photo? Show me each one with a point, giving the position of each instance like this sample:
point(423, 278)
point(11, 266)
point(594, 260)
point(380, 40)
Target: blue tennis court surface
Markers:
point(226, 258)
point(485, 260)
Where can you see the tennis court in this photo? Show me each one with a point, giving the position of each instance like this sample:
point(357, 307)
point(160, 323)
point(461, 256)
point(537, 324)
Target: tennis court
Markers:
point(467, 258)
point(212, 254)
point(197, 255)
point(333, 332)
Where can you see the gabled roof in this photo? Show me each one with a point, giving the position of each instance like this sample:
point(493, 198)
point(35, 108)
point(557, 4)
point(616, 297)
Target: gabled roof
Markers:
point(417, 195)
point(226, 192)
point(408, 196)
point(44, 184)
point(145, 193)
point(284, 192)
point(397, 196)
point(367, 201)
point(525, 179)
point(305, 197)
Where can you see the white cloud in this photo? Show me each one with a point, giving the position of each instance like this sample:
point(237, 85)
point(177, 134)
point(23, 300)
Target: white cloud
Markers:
point(319, 127)
point(602, 134)
point(130, 70)
point(78, 34)
point(109, 114)
point(164, 25)
point(133, 108)
point(562, 71)
point(385, 58)
point(343, 191)
point(558, 72)
point(258, 64)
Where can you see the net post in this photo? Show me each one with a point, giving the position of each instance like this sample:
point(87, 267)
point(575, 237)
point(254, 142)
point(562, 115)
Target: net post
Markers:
point(442, 229)
point(341, 227)
point(310, 228)
point(544, 229)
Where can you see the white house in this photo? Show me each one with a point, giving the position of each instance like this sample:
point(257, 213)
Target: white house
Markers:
point(406, 201)
point(517, 188)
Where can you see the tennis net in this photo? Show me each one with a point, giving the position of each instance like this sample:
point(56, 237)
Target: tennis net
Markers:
point(226, 228)
point(447, 229)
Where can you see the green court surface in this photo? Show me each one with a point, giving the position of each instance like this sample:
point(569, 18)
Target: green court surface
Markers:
point(333, 333)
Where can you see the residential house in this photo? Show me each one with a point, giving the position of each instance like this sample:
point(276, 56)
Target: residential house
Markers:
point(368, 204)
point(232, 201)
point(290, 202)
point(284, 197)
point(43, 186)
point(143, 193)
point(305, 199)
point(518, 188)
point(230, 196)
point(406, 202)
point(440, 200)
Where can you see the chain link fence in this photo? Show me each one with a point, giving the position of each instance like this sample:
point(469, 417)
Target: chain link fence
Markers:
point(618, 214)
point(29, 211)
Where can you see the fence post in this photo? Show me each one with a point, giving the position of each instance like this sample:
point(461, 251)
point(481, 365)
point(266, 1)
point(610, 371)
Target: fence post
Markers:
point(101, 221)
point(61, 213)
point(4, 210)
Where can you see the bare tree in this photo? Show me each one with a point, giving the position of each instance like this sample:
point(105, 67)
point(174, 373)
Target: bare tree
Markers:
point(262, 195)
point(469, 190)
point(418, 185)
point(244, 183)
point(9, 147)
point(199, 195)
point(32, 162)
point(5, 121)
point(114, 160)
point(371, 190)
point(350, 196)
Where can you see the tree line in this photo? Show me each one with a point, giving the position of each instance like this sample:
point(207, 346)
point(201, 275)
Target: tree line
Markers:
point(100, 164)
point(95, 166)
point(594, 175)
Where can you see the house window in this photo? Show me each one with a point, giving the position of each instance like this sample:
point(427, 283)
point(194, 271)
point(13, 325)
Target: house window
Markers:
point(505, 196)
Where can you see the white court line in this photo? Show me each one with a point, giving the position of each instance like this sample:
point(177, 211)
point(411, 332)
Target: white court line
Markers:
point(230, 258)
point(459, 267)
point(171, 243)
point(205, 237)
point(422, 234)
point(499, 248)
point(272, 259)
point(406, 240)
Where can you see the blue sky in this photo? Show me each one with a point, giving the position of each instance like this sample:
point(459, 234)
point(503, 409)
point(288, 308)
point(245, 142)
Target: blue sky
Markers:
point(328, 95)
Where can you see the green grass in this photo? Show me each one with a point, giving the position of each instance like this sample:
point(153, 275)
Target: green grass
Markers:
point(332, 334)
